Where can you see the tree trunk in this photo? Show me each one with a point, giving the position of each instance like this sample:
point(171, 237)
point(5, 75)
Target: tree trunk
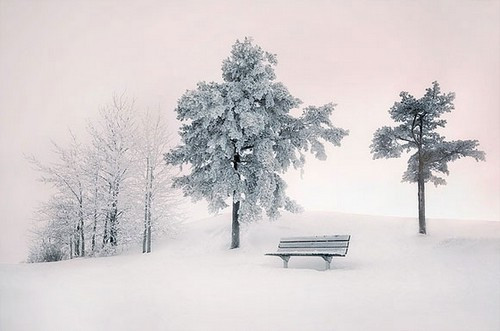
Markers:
point(82, 239)
point(149, 238)
point(146, 240)
point(76, 243)
point(82, 230)
point(105, 238)
point(94, 229)
point(235, 231)
point(150, 205)
point(93, 235)
point(145, 234)
point(107, 220)
point(421, 205)
point(113, 226)
point(148, 226)
point(113, 220)
point(421, 183)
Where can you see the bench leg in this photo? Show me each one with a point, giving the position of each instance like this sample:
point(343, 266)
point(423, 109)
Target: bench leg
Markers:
point(285, 261)
point(328, 260)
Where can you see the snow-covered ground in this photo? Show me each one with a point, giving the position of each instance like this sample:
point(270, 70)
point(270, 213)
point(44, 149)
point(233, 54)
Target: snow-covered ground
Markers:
point(391, 279)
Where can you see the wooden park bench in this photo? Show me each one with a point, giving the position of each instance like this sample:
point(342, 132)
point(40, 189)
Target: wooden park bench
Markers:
point(323, 246)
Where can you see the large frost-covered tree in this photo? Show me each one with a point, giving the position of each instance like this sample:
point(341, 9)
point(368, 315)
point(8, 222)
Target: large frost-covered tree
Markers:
point(238, 137)
point(419, 120)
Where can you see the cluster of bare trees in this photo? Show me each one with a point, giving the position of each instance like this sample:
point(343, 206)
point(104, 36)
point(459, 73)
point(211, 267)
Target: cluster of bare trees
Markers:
point(109, 193)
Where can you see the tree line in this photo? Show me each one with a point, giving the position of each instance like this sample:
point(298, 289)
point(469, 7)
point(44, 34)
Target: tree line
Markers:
point(109, 193)
point(237, 137)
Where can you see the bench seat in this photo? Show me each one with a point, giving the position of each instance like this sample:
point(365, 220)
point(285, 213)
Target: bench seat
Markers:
point(325, 247)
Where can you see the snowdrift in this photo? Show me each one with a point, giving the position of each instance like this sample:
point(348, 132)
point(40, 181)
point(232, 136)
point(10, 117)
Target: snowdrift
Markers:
point(391, 279)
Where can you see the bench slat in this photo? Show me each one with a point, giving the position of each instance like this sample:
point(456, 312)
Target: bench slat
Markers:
point(302, 253)
point(309, 244)
point(309, 250)
point(317, 238)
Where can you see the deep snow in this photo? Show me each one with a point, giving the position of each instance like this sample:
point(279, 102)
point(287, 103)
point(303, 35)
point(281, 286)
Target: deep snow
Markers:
point(391, 279)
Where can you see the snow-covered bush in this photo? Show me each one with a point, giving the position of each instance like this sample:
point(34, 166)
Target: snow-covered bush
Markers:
point(46, 252)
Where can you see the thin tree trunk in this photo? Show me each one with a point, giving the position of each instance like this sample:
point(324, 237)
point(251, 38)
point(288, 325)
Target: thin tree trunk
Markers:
point(149, 237)
point(94, 230)
point(150, 205)
point(71, 246)
point(82, 237)
point(146, 240)
point(105, 238)
point(144, 237)
point(107, 221)
point(113, 228)
point(421, 184)
point(82, 232)
point(148, 234)
point(76, 243)
point(113, 220)
point(235, 231)
point(148, 227)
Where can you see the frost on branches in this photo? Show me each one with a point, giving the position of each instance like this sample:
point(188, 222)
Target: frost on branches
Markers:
point(419, 120)
point(110, 194)
point(239, 137)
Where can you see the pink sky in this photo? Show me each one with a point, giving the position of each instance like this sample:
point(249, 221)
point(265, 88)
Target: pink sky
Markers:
point(61, 60)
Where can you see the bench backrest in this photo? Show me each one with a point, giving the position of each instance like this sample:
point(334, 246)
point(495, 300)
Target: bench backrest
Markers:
point(338, 244)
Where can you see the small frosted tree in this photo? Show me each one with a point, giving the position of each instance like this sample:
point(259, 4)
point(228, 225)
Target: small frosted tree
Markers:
point(66, 176)
point(161, 205)
point(112, 138)
point(419, 120)
point(56, 228)
point(96, 193)
point(238, 137)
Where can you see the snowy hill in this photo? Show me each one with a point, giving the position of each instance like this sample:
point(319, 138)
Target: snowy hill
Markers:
point(391, 279)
